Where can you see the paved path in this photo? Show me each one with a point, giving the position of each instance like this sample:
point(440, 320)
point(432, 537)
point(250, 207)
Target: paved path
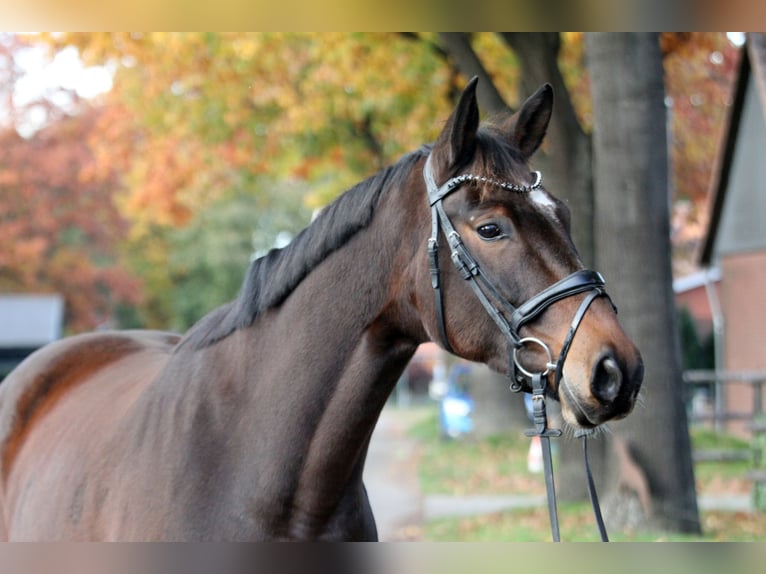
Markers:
point(390, 475)
point(438, 505)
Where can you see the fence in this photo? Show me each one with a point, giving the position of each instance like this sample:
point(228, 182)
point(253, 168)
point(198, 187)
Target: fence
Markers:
point(752, 421)
point(714, 384)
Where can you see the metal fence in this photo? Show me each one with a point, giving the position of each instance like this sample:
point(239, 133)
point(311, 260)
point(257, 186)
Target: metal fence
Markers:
point(710, 386)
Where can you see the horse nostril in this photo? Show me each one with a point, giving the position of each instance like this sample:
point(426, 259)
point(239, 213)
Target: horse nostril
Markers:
point(607, 378)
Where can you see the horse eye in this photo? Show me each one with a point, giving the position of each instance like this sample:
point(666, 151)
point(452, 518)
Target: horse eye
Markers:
point(489, 231)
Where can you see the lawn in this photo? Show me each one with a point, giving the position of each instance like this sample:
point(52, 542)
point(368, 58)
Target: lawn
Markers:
point(577, 525)
point(499, 466)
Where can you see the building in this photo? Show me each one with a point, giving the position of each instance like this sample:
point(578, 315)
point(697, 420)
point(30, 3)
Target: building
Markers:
point(27, 322)
point(698, 294)
point(735, 242)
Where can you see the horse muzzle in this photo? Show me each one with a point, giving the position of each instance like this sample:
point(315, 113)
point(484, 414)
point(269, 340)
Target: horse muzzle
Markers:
point(611, 394)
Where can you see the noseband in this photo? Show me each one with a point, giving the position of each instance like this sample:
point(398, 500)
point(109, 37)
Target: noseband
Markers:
point(511, 319)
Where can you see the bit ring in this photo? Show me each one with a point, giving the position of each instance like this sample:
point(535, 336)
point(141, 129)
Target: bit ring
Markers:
point(549, 365)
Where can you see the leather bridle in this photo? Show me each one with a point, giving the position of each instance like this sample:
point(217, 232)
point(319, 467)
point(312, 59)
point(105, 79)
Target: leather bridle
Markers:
point(511, 319)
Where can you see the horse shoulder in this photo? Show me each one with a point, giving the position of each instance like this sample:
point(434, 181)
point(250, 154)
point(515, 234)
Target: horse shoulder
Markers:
point(50, 371)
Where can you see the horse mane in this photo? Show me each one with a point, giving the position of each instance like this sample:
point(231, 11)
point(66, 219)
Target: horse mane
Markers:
point(270, 279)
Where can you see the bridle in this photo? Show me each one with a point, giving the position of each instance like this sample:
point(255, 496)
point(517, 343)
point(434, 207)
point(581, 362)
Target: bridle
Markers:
point(510, 320)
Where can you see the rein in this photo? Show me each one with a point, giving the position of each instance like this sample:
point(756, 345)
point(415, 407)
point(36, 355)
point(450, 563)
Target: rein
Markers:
point(582, 281)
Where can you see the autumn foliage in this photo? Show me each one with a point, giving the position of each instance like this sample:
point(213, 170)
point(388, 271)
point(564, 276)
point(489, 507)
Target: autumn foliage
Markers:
point(59, 229)
point(95, 205)
point(699, 73)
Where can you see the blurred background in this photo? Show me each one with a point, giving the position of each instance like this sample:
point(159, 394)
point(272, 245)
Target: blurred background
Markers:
point(141, 172)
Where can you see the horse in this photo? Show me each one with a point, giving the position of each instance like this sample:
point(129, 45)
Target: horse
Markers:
point(255, 423)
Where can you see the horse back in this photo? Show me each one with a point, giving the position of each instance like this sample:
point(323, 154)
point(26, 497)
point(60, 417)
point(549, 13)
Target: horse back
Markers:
point(61, 379)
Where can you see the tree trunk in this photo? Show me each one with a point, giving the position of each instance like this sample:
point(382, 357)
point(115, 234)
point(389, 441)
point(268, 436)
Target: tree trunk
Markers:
point(632, 241)
point(496, 409)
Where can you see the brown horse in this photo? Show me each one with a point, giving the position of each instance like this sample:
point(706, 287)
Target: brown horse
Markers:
point(256, 423)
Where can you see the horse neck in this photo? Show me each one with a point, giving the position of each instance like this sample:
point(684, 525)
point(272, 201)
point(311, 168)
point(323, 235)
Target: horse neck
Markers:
point(314, 374)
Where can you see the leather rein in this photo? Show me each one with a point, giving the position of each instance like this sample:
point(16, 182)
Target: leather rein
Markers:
point(510, 319)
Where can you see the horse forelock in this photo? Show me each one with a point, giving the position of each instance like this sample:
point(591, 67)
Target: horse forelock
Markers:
point(497, 158)
point(270, 279)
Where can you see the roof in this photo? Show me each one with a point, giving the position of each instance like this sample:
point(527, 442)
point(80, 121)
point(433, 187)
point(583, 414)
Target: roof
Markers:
point(30, 320)
point(752, 66)
point(696, 280)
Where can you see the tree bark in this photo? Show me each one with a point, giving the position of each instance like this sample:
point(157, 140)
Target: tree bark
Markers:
point(632, 241)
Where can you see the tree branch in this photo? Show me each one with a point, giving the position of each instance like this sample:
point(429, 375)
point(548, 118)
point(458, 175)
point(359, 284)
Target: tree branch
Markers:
point(364, 130)
point(458, 45)
point(415, 37)
point(538, 56)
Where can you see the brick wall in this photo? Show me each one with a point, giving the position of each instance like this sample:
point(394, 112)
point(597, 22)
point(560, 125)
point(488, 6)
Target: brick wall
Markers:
point(743, 299)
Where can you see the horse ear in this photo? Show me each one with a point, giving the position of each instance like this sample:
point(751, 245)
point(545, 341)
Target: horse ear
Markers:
point(527, 126)
point(456, 144)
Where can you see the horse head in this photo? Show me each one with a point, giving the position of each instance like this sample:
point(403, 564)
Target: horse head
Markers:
point(510, 289)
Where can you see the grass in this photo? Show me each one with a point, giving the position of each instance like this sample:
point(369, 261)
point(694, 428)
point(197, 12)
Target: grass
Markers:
point(498, 466)
point(707, 438)
point(577, 525)
point(716, 476)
